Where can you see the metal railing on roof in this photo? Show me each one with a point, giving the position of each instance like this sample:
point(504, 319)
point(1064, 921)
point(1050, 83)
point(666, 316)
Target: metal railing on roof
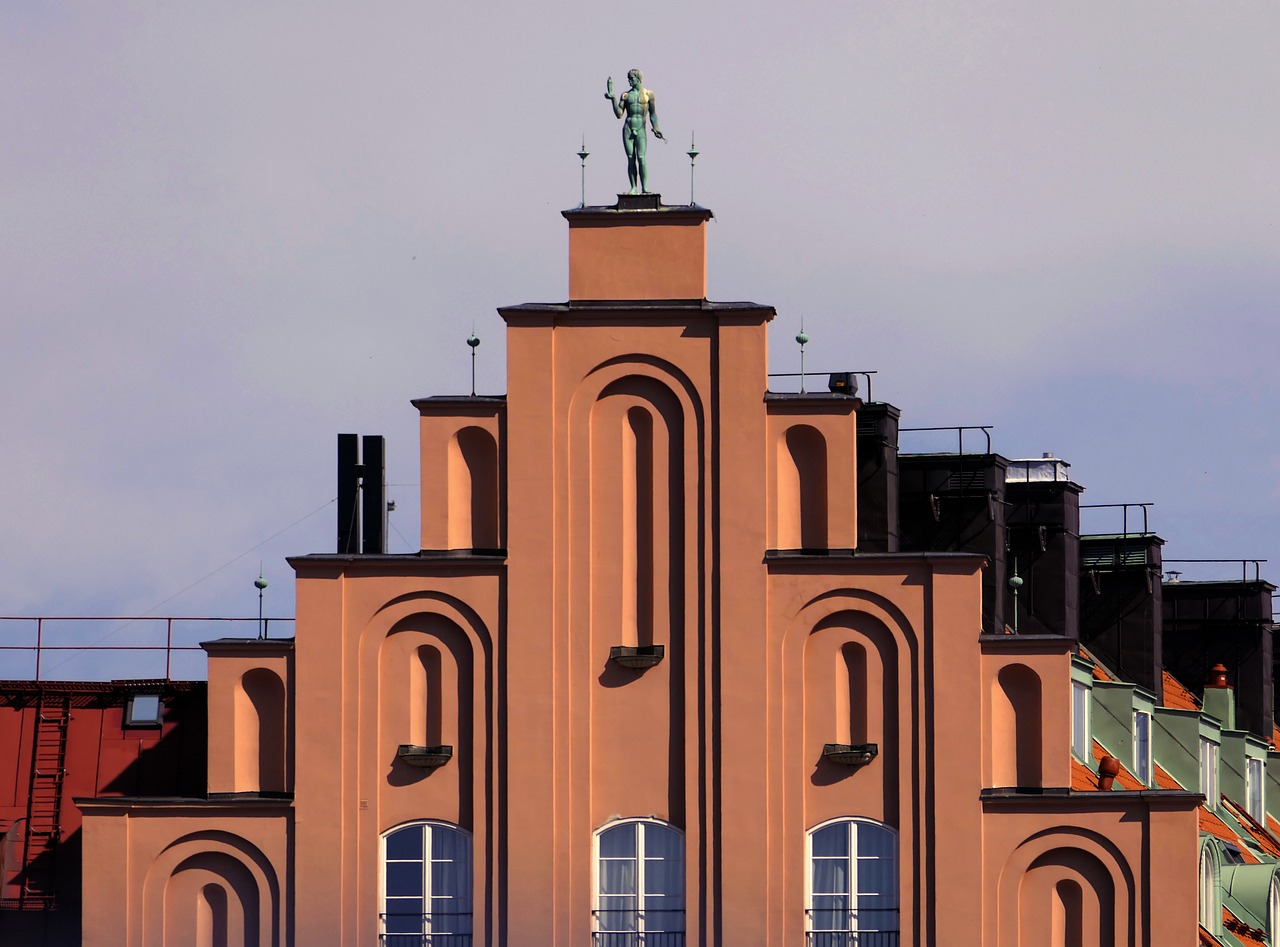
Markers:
point(1243, 563)
point(43, 651)
point(959, 430)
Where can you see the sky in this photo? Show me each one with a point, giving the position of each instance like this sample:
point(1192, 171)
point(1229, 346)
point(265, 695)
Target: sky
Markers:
point(234, 230)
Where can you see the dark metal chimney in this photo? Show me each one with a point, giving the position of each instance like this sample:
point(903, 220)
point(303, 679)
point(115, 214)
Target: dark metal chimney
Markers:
point(1120, 605)
point(878, 477)
point(1043, 521)
point(1227, 622)
point(362, 485)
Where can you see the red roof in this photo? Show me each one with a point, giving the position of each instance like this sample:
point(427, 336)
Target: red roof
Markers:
point(1266, 841)
point(1213, 825)
point(1177, 696)
point(1250, 936)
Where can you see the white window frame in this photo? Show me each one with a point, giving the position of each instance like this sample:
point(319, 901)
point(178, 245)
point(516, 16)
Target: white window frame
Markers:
point(1210, 899)
point(458, 930)
point(839, 938)
point(1142, 761)
point(1209, 772)
point(1255, 788)
point(671, 929)
point(1273, 910)
point(1081, 697)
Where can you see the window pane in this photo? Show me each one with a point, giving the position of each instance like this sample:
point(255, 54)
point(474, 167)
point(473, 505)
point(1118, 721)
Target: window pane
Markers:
point(405, 844)
point(662, 842)
point(875, 876)
point(830, 876)
point(404, 879)
point(830, 913)
point(449, 844)
point(874, 841)
point(448, 880)
point(619, 841)
point(448, 915)
point(404, 915)
point(618, 876)
point(617, 920)
point(833, 840)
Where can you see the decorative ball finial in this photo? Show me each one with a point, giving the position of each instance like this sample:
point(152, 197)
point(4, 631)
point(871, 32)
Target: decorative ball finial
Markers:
point(473, 340)
point(802, 337)
point(259, 583)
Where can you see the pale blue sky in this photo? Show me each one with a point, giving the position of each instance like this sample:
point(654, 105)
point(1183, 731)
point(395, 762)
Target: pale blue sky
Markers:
point(233, 230)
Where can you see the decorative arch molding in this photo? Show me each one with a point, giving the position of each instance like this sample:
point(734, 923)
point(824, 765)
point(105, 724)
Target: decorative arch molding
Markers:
point(260, 711)
point(894, 782)
point(1080, 853)
point(1017, 727)
point(801, 477)
point(234, 864)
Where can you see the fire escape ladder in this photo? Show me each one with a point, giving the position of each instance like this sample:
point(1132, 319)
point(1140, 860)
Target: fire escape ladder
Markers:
point(44, 802)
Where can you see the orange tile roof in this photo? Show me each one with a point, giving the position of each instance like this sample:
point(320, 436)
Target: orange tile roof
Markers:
point(1266, 841)
point(1275, 736)
point(1208, 940)
point(1177, 696)
point(1099, 674)
point(1124, 779)
point(1273, 826)
point(1164, 780)
point(1249, 936)
point(1213, 825)
point(1083, 779)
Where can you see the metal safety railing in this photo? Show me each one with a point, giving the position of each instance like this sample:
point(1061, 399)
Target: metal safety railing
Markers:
point(866, 927)
point(46, 638)
point(958, 430)
point(438, 929)
point(649, 928)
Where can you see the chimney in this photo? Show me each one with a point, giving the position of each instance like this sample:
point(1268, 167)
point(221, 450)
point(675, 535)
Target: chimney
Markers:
point(878, 477)
point(362, 488)
point(1227, 624)
point(1119, 605)
point(956, 503)
point(1043, 520)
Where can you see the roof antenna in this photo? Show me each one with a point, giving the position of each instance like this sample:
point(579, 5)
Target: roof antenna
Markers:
point(693, 154)
point(474, 341)
point(802, 338)
point(582, 153)
point(260, 583)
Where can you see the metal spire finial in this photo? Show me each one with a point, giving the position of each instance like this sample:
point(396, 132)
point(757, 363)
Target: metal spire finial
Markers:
point(582, 154)
point(803, 339)
point(474, 341)
point(693, 154)
point(260, 583)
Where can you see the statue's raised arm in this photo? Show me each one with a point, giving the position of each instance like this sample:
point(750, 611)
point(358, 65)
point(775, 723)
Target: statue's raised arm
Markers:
point(615, 102)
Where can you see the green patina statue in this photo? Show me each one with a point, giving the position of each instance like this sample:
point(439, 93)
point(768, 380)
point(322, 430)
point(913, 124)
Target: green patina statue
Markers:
point(633, 107)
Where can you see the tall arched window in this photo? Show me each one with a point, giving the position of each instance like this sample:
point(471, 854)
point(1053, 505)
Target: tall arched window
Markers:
point(639, 885)
point(853, 884)
point(426, 886)
point(1210, 903)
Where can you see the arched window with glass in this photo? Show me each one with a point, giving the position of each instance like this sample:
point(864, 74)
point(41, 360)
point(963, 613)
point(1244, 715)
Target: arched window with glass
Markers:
point(853, 885)
point(426, 886)
point(1210, 900)
point(639, 885)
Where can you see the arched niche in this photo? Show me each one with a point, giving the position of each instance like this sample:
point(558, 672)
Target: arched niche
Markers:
point(1068, 886)
point(473, 495)
point(1067, 899)
point(1016, 727)
point(851, 695)
point(211, 889)
point(801, 489)
point(260, 732)
point(425, 689)
point(636, 505)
